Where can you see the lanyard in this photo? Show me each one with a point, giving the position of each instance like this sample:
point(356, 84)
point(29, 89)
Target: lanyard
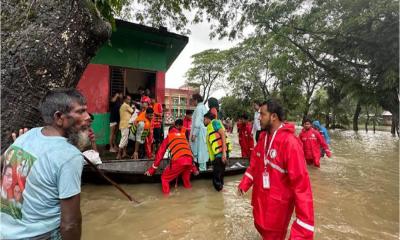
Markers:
point(269, 147)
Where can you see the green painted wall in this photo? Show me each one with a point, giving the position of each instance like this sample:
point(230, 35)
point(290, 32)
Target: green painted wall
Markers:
point(135, 48)
point(101, 128)
point(124, 52)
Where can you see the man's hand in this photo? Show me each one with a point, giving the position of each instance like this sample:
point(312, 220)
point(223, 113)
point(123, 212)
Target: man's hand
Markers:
point(195, 170)
point(328, 153)
point(193, 138)
point(20, 132)
point(147, 173)
point(240, 191)
point(224, 157)
point(135, 155)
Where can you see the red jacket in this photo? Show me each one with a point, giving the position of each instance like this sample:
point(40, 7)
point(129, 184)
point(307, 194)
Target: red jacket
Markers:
point(185, 160)
point(246, 140)
point(312, 141)
point(290, 187)
point(145, 99)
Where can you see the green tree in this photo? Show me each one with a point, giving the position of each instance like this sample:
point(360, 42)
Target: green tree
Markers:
point(352, 40)
point(234, 107)
point(207, 71)
point(48, 44)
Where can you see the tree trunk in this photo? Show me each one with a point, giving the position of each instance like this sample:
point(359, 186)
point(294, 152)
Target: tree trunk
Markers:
point(356, 116)
point(395, 124)
point(374, 123)
point(327, 119)
point(367, 120)
point(46, 45)
point(307, 107)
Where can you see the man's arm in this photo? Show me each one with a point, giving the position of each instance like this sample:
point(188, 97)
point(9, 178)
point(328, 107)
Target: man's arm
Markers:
point(247, 179)
point(323, 144)
point(130, 109)
point(221, 131)
point(69, 188)
point(71, 218)
point(159, 157)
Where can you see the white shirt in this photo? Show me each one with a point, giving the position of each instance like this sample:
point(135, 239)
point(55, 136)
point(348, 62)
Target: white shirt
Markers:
point(256, 122)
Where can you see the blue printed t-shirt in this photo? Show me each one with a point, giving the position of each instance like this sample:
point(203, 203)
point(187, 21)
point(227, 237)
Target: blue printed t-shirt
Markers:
point(37, 172)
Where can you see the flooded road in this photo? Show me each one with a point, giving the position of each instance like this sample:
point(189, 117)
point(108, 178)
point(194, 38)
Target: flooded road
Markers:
point(356, 196)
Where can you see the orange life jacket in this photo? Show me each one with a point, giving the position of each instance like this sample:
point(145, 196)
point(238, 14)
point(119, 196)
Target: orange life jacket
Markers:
point(178, 146)
point(147, 125)
point(157, 114)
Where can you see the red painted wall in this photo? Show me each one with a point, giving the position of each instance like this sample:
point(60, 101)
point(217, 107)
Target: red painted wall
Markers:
point(94, 84)
point(160, 87)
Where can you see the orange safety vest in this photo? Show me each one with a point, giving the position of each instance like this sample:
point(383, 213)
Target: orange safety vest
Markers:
point(178, 146)
point(147, 125)
point(157, 114)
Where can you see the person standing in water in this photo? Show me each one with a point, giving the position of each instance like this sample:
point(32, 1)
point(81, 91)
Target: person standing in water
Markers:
point(312, 142)
point(280, 180)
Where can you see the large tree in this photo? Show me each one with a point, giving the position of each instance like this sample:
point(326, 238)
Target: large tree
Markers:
point(352, 40)
point(48, 44)
point(207, 71)
point(45, 44)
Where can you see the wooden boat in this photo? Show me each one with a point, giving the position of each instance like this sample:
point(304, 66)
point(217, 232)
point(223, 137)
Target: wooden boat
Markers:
point(132, 171)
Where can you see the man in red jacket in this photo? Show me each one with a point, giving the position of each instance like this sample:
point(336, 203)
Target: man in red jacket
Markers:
point(312, 142)
point(246, 141)
point(280, 179)
point(181, 158)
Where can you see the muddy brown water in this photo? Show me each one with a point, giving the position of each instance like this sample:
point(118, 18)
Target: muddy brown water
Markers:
point(356, 196)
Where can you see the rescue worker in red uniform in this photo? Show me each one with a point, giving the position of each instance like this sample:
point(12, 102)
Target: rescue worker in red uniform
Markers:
point(312, 142)
point(246, 141)
point(181, 158)
point(280, 180)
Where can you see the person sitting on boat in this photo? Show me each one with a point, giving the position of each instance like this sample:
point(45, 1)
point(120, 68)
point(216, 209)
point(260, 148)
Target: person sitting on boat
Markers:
point(181, 160)
point(312, 142)
point(141, 129)
point(218, 148)
point(246, 140)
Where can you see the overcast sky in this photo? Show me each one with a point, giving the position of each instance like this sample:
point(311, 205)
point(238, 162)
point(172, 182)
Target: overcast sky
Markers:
point(199, 40)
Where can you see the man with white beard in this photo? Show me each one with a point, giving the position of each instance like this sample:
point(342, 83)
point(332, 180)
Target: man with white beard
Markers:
point(50, 204)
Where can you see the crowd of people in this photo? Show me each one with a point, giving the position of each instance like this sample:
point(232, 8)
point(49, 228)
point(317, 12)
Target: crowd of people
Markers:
point(46, 205)
point(314, 137)
point(201, 136)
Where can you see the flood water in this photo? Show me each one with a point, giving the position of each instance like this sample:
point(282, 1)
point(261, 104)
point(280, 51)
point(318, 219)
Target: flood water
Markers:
point(356, 196)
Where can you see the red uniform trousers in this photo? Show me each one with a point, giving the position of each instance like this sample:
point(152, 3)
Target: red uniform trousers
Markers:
point(172, 172)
